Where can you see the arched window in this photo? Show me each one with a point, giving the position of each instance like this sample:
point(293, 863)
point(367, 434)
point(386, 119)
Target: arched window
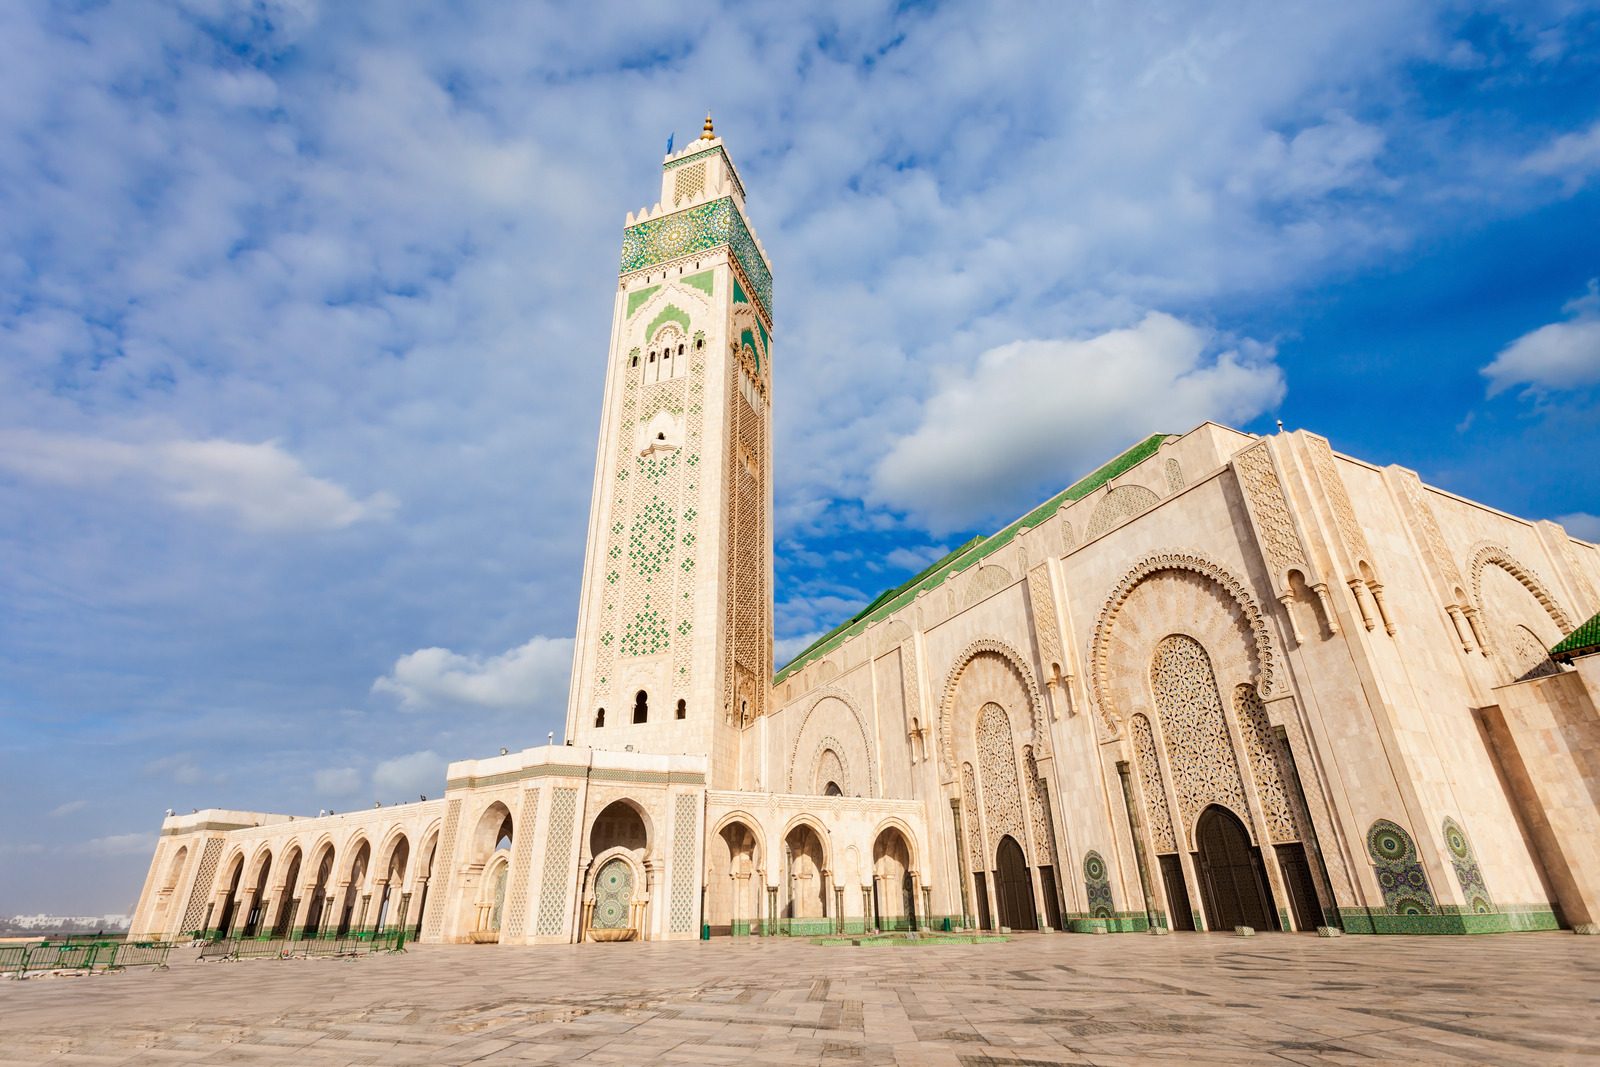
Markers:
point(599, 718)
point(832, 790)
point(641, 707)
point(683, 709)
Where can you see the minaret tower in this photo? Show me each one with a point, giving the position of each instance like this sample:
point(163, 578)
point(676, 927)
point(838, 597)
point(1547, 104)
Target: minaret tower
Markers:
point(674, 640)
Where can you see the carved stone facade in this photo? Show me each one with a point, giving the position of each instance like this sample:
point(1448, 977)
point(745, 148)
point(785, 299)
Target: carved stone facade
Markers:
point(1269, 508)
point(1108, 699)
point(1199, 750)
point(1001, 794)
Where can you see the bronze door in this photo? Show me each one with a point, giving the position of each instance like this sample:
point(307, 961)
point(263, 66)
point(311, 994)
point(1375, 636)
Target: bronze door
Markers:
point(1013, 887)
point(1179, 915)
point(1296, 870)
point(1230, 876)
point(1052, 897)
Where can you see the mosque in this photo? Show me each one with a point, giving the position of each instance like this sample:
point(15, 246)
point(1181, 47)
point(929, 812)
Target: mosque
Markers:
point(1223, 680)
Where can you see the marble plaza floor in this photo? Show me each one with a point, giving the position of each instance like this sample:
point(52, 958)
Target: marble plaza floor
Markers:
point(1040, 999)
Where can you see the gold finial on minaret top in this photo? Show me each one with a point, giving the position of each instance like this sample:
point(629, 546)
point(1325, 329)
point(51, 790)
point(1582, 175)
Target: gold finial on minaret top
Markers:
point(707, 135)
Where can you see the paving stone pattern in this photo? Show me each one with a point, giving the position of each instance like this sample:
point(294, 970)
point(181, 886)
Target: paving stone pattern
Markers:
point(1040, 999)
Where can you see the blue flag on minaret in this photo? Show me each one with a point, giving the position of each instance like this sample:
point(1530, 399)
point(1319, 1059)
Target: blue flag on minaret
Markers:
point(670, 136)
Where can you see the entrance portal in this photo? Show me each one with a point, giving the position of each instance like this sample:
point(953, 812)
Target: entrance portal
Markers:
point(1230, 874)
point(1012, 887)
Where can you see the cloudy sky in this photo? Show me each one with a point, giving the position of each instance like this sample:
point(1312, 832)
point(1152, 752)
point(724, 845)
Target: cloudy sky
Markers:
point(303, 308)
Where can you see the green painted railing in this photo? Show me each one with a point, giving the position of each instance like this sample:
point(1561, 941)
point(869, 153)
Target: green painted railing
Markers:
point(357, 943)
point(75, 955)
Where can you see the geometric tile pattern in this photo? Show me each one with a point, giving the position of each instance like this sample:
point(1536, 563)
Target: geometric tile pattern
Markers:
point(521, 860)
point(1097, 881)
point(1198, 748)
point(1465, 861)
point(688, 183)
point(1123, 502)
point(1400, 875)
point(446, 853)
point(557, 860)
point(747, 659)
point(200, 892)
point(1044, 832)
point(1174, 476)
point(613, 895)
point(969, 791)
point(684, 874)
point(684, 602)
point(997, 771)
point(698, 229)
point(1259, 478)
point(1155, 795)
point(1261, 746)
point(654, 529)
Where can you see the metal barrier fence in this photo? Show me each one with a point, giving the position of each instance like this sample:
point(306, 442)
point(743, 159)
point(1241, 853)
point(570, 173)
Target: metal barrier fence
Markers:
point(41, 956)
point(364, 943)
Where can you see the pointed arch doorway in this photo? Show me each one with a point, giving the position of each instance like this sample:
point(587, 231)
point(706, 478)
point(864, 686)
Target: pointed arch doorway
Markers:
point(1013, 887)
point(1230, 873)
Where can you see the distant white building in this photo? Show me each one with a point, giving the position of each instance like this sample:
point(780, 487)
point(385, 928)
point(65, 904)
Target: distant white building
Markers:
point(61, 922)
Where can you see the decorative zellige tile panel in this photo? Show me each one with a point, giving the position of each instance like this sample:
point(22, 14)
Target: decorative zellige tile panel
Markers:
point(443, 868)
point(684, 875)
point(557, 878)
point(200, 890)
point(521, 860)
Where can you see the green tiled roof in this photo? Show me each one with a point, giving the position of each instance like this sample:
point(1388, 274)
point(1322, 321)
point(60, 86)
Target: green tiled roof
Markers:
point(1580, 642)
point(891, 600)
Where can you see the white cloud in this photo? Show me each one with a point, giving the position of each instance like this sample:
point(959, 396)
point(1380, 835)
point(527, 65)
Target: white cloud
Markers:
point(351, 255)
point(140, 844)
point(1556, 356)
point(257, 486)
point(915, 557)
point(1571, 156)
point(1336, 154)
point(403, 777)
point(785, 649)
point(528, 676)
point(1037, 414)
point(68, 808)
point(1582, 525)
point(178, 767)
point(336, 781)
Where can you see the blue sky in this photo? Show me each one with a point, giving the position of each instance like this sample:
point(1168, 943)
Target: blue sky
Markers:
point(303, 308)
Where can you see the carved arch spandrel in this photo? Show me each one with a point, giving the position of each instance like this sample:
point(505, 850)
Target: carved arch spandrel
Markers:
point(1260, 669)
point(894, 633)
point(1013, 661)
point(1501, 557)
point(799, 772)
